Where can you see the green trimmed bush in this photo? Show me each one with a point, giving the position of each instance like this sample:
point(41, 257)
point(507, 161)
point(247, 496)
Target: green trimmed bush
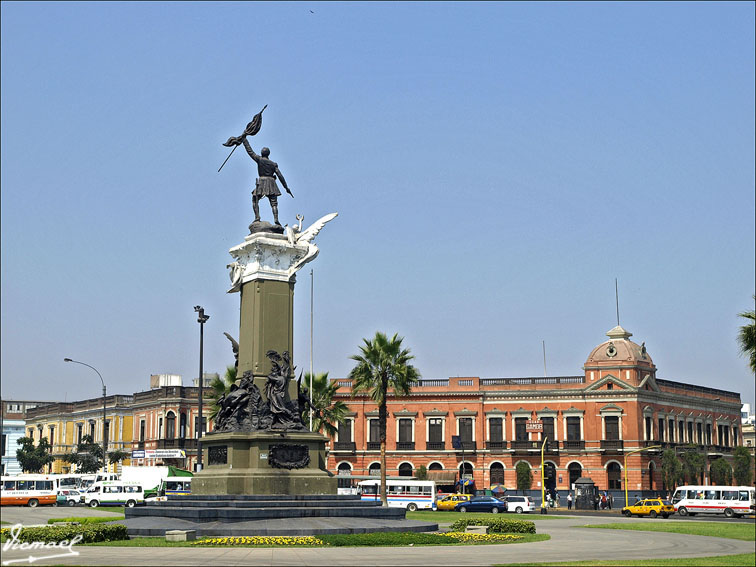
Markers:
point(90, 533)
point(496, 525)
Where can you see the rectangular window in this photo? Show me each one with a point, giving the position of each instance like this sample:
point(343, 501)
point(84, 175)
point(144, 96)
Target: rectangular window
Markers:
point(699, 433)
point(92, 430)
point(495, 429)
point(375, 431)
point(712, 495)
point(465, 430)
point(141, 430)
point(681, 431)
point(690, 432)
point(2, 446)
point(435, 430)
point(734, 435)
point(345, 431)
point(521, 433)
point(671, 425)
point(52, 434)
point(43, 485)
point(727, 436)
point(708, 433)
point(548, 429)
point(405, 430)
point(612, 427)
point(729, 495)
point(649, 428)
point(573, 429)
point(660, 430)
point(79, 432)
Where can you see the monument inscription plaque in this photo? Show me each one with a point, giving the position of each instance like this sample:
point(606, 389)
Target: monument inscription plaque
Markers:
point(289, 456)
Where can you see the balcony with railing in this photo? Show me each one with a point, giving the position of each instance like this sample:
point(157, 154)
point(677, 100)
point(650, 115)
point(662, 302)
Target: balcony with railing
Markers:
point(179, 443)
point(434, 446)
point(467, 447)
point(573, 445)
point(373, 445)
point(612, 445)
point(496, 446)
point(405, 445)
point(344, 446)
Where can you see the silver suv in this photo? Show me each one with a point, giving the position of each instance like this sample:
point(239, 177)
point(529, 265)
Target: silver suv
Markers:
point(520, 504)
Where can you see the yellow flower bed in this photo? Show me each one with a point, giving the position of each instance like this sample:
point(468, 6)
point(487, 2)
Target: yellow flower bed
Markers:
point(260, 540)
point(470, 537)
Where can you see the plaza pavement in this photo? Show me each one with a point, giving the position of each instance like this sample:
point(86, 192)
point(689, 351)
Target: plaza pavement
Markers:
point(567, 543)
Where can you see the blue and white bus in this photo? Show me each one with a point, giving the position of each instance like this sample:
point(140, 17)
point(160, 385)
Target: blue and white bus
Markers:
point(410, 494)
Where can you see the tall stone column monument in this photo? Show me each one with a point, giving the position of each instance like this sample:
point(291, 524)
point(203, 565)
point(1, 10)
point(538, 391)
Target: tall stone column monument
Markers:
point(260, 444)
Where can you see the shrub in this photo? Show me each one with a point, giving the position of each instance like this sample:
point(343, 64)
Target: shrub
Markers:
point(90, 533)
point(496, 525)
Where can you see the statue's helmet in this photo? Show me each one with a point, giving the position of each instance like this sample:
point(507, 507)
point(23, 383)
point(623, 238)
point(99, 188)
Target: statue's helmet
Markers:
point(265, 152)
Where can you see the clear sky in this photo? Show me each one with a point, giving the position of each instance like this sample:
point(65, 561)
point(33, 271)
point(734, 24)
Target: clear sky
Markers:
point(495, 167)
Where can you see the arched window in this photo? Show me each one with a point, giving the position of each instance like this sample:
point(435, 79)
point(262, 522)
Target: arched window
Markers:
point(405, 469)
point(170, 425)
point(374, 469)
point(576, 471)
point(465, 470)
point(614, 476)
point(651, 476)
point(435, 467)
point(345, 469)
point(182, 425)
point(497, 473)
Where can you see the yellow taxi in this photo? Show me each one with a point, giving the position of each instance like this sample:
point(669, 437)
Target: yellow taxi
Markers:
point(652, 507)
point(450, 501)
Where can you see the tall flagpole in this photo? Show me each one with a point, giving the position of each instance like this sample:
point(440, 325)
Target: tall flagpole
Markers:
point(312, 285)
point(616, 298)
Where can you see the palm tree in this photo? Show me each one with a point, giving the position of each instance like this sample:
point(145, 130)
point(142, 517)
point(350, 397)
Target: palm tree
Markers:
point(747, 337)
point(382, 365)
point(327, 414)
point(221, 388)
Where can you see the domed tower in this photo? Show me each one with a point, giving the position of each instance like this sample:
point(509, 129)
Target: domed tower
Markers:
point(621, 359)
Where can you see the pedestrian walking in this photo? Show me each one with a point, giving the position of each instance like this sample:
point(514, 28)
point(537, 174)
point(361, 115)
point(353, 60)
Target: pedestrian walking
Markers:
point(610, 500)
point(569, 501)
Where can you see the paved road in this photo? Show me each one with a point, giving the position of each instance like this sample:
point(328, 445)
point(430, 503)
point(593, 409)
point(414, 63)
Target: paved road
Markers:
point(40, 515)
point(568, 543)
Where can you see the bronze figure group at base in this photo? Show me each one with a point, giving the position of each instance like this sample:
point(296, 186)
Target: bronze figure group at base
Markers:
point(245, 409)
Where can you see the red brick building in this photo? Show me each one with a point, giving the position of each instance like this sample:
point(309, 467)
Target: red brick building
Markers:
point(592, 420)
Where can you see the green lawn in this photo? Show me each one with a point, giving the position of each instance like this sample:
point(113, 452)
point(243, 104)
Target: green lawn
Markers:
point(743, 559)
point(745, 532)
point(337, 540)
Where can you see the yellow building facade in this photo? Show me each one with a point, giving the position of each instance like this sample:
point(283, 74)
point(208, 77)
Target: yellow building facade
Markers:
point(64, 425)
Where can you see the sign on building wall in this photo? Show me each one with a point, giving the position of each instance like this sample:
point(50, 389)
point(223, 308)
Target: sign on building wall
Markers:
point(159, 454)
point(533, 425)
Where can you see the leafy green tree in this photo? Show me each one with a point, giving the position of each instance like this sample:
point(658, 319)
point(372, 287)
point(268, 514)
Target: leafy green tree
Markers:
point(524, 476)
point(747, 337)
point(383, 365)
point(671, 469)
point(721, 472)
point(692, 465)
point(422, 472)
point(34, 458)
point(221, 387)
point(117, 456)
point(743, 466)
point(88, 456)
point(327, 413)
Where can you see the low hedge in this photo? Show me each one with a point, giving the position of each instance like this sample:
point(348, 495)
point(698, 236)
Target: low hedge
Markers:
point(90, 533)
point(496, 525)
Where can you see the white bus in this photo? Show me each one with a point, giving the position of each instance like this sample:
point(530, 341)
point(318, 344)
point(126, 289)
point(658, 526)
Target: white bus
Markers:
point(113, 493)
point(728, 500)
point(410, 494)
point(28, 490)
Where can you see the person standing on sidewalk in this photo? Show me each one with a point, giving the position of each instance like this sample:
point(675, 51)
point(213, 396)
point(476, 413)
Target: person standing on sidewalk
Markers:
point(569, 501)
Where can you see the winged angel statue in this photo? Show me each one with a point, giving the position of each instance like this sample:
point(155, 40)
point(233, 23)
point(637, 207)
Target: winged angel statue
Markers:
point(297, 238)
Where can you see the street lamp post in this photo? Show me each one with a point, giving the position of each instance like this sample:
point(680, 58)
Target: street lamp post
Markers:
point(201, 319)
point(104, 394)
point(630, 453)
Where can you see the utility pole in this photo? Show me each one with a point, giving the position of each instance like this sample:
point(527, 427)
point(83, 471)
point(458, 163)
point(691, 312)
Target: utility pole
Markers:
point(201, 319)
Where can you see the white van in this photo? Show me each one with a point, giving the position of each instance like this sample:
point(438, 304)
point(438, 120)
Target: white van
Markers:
point(113, 493)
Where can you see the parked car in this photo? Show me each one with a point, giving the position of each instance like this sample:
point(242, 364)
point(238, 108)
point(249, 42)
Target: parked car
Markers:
point(67, 497)
point(450, 501)
point(482, 504)
point(652, 507)
point(520, 504)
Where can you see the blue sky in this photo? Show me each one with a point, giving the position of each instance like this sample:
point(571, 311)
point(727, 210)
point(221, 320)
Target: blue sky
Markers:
point(495, 167)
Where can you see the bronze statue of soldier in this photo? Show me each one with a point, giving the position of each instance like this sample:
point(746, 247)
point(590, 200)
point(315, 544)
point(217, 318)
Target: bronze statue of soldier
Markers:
point(265, 186)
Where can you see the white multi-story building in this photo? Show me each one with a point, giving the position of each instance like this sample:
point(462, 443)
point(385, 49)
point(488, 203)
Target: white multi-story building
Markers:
point(746, 416)
point(12, 430)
